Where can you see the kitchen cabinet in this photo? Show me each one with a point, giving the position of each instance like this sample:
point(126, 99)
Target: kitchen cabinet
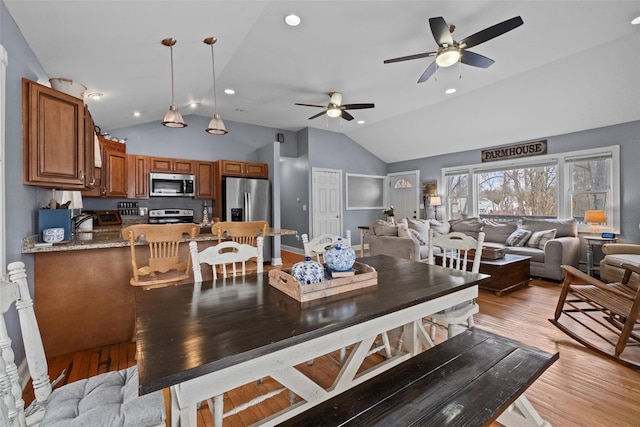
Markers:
point(243, 169)
point(54, 138)
point(138, 176)
point(90, 179)
point(112, 181)
point(165, 164)
point(205, 188)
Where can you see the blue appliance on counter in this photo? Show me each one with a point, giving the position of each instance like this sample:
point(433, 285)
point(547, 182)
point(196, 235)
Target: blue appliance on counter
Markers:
point(54, 218)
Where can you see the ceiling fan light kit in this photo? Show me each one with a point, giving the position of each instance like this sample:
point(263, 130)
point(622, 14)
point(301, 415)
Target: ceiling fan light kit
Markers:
point(173, 118)
point(335, 108)
point(216, 125)
point(450, 51)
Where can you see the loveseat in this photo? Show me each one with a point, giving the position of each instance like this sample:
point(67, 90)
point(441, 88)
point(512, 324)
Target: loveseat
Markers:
point(549, 242)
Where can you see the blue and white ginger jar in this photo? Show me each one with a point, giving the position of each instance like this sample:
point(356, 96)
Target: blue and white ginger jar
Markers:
point(339, 258)
point(307, 272)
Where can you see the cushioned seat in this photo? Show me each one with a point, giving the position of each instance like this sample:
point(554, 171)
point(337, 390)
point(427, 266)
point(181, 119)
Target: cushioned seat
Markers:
point(110, 399)
point(616, 254)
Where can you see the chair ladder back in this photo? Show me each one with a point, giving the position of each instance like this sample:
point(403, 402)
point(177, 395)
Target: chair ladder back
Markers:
point(320, 244)
point(18, 290)
point(455, 248)
point(240, 232)
point(224, 254)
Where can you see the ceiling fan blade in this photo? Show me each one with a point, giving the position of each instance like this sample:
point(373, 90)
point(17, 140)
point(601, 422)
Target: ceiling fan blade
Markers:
point(475, 59)
point(346, 116)
point(357, 106)
point(318, 115)
point(311, 105)
point(491, 32)
point(428, 72)
point(440, 31)
point(409, 57)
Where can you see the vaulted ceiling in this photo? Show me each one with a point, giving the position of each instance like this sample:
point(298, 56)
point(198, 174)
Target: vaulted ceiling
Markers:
point(573, 65)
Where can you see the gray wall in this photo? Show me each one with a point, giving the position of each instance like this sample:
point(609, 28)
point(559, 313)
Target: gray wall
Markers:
point(626, 135)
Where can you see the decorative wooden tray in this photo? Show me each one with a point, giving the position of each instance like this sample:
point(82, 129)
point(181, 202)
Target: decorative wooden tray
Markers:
point(283, 281)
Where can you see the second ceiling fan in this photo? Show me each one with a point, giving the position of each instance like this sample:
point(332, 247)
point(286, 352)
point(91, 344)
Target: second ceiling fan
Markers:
point(451, 52)
point(335, 108)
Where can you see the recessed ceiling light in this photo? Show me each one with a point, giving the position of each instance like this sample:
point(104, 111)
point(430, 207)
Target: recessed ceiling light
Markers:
point(636, 21)
point(95, 95)
point(136, 114)
point(361, 122)
point(292, 20)
point(193, 105)
point(229, 91)
point(450, 91)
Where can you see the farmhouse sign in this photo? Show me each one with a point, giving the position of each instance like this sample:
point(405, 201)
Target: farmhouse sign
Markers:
point(511, 152)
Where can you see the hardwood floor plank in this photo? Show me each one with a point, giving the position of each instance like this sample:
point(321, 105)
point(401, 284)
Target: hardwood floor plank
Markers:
point(582, 388)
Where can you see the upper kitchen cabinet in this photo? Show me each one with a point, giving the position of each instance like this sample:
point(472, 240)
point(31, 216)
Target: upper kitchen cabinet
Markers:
point(205, 188)
point(111, 177)
point(138, 175)
point(165, 164)
point(54, 138)
point(246, 169)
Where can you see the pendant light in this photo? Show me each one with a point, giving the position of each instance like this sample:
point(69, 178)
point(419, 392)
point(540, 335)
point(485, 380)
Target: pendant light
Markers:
point(216, 125)
point(173, 118)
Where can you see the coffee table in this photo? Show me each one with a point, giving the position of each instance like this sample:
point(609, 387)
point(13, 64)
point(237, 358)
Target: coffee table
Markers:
point(507, 273)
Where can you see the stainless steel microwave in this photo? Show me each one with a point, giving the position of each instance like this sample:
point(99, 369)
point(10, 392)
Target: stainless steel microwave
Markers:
point(172, 185)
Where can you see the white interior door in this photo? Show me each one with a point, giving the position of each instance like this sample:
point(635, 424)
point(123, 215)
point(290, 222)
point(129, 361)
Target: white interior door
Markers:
point(404, 194)
point(326, 190)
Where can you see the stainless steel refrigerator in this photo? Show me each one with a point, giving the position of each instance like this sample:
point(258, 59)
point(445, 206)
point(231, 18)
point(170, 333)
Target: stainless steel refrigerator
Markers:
point(247, 199)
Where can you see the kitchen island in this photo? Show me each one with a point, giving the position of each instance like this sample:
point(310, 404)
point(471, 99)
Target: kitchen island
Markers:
point(82, 294)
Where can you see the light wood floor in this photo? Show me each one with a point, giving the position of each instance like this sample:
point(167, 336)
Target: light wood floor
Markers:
point(580, 389)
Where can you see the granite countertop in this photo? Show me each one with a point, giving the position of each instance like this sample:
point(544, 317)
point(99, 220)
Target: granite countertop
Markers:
point(111, 237)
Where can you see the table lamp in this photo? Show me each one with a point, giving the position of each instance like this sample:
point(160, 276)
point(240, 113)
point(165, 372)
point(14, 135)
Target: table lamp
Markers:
point(593, 218)
point(435, 201)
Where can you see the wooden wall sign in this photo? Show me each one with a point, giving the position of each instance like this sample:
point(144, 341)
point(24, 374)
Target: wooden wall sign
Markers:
point(513, 151)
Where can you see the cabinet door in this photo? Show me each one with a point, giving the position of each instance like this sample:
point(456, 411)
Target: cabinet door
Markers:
point(204, 180)
point(138, 176)
point(256, 170)
point(90, 180)
point(231, 168)
point(54, 139)
point(161, 164)
point(183, 166)
point(114, 166)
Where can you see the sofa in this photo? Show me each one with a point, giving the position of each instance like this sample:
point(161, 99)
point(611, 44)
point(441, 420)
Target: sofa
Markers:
point(549, 242)
point(616, 254)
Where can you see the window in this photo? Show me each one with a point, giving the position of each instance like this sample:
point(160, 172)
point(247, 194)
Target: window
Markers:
point(552, 186)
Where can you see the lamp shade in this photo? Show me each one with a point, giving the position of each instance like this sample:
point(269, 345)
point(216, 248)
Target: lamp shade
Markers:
point(435, 201)
point(216, 126)
point(594, 217)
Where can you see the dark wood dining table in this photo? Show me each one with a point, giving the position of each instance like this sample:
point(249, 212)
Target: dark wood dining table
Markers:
point(205, 339)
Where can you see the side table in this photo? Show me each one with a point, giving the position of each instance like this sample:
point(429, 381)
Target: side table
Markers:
point(364, 230)
point(593, 241)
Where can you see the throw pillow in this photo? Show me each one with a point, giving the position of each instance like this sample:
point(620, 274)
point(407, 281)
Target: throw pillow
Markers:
point(469, 226)
point(518, 237)
point(403, 230)
point(539, 238)
point(413, 233)
point(383, 228)
point(439, 227)
point(419, 225)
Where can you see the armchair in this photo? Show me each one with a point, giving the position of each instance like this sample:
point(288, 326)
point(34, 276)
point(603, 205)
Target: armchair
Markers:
point(615, 255)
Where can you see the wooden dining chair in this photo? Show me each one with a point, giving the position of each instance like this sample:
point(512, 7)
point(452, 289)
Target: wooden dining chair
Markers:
point(226, 254)
point(240, 232)
point(601, 316)
point(162, 264)
point(317, 246)
point(109, 399)
point(455, 253)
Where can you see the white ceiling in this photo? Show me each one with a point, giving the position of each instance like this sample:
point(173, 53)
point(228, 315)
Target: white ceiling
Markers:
point(573, 65)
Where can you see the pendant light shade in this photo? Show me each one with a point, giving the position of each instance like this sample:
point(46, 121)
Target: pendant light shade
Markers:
point(173, 118)
point(216, 125)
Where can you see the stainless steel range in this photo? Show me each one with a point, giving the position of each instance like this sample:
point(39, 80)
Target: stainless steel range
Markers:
point(168, 216)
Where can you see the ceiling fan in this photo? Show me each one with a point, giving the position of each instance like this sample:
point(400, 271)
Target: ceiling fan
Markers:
point(450, 51)
point(335, 107)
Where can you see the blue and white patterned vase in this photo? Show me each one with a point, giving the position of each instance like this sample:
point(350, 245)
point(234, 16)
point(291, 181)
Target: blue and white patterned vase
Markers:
point(340, 258)
point(307, 272)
